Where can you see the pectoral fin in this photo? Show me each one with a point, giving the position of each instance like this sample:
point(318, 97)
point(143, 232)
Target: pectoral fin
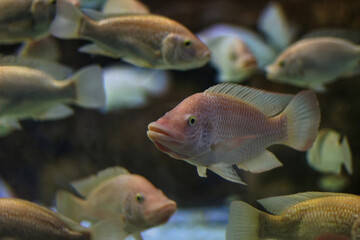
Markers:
point(227, 172)
point(96, 50)
point(261, 163)
point(201, 171)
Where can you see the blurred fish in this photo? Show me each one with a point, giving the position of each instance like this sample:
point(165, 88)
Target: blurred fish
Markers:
point(120, 197)
point(46, 49)
point(351, 35)
point(303, 216)
point(25, 20)
point(232, 58)
point(314, 62)
point(21, 219)
point(5, 190)
point(231, 124)
point(264, 53)
point(329, 152)
point(144, 40)
point(124, 6)
point(31, 93)
point(333, 182)
point(275, 26)
point(129, 87)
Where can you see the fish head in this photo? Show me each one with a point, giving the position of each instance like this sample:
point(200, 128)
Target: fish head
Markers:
point(186, 131)
point(288, 67)
point(145, 205)
point(184, 51)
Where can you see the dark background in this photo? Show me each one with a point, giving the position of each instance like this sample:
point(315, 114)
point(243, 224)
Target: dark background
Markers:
point(45, 156)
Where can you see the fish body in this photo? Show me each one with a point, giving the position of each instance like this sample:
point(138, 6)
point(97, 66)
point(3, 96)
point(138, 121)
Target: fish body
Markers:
point(232, 58)
point(303, 216)
point(314, 62)
point(144, 40)
point(231, 124)
point(27, 92)
point(117, 196)
point(21, 219)
point(25, 19)
point(329, 152)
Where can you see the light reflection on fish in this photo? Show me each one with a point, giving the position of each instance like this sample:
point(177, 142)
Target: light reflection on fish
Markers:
point(303, 216)
point(231, 124)
point(145, 40)
point(117, 196)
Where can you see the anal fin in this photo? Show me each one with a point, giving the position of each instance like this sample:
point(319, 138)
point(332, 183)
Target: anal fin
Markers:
point(96, 50)
point(227, 172)
point(261, 163)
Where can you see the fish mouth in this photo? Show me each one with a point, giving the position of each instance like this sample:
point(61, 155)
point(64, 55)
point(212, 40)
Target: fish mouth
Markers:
point(159, 133)
point(163, 213)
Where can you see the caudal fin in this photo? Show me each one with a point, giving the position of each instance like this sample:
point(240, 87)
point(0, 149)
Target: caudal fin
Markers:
point(90, 92)
point(67, 21)
point(69, 205)
point(243, 222)
point(303, 118)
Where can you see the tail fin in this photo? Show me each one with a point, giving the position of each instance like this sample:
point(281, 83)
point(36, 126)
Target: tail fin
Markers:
point(108, 230)
point(90, 92)
point(67, 21)
point(69, 205)
point(243, 222)
point(303, 117)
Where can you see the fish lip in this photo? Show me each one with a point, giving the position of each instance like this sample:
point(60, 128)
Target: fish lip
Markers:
point(159, 133)
point(167, 210)
point(207, 54)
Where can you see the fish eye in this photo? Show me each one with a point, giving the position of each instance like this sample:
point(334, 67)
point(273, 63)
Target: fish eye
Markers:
point(139, 198)
point(187, 43)
point(282, 64)
point(191, 121)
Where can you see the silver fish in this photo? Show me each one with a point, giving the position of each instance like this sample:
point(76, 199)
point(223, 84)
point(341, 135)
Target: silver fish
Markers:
point(144, 40)
point(314, 62)
point(25, 19)
point(31, 93)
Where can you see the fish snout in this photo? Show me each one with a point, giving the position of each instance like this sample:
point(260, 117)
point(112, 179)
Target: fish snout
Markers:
point(250, 63)
point(162, 213)
point(161, 133)
point(207, 54)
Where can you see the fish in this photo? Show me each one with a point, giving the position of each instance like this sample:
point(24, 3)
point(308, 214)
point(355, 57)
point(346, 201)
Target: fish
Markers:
point(117, 196)
point(144, 40)
point(329, 152)
point(22, 219)
point(30, 93)
point(231, 124)
point(314, 62)
point(129, 87)
point(276, 27)
point(25, 20)
point(45, 49)
point(232, 58)
point(302, 216)
point(263, 52)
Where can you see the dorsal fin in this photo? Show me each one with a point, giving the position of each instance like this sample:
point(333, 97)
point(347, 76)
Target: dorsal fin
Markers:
point(86, 185)
point(268, 103)
point(276, 205)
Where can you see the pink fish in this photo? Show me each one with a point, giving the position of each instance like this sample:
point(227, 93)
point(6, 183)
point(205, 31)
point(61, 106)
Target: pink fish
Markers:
point(230, 124)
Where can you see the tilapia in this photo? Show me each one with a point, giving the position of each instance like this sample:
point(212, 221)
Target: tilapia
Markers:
point(329, 152)
point(21, 219)
point(302, 216)
point(45, 49)
point(232, 58)
point(145, 40)
point(25, 20)
point(116, 196)
point(26, 92)
point(314, 62)
point(230, 124)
